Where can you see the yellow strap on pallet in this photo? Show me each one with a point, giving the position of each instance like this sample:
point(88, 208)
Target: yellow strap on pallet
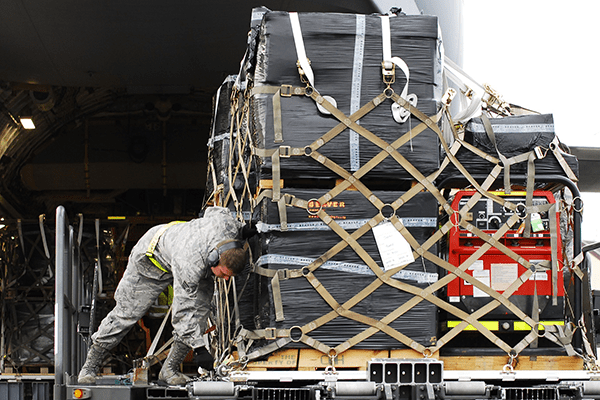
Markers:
point(154, 243)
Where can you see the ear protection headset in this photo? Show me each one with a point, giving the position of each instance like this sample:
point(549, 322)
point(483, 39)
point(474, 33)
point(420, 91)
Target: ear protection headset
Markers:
point(213, 257)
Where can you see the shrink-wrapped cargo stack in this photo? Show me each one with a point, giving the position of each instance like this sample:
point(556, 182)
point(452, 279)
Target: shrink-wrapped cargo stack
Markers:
point(317, 108)
point(219, 140)
point(345, 274)
point(345, 54)
point(514, 137)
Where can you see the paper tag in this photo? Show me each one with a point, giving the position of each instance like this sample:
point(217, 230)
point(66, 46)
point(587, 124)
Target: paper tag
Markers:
point(503, 275)
point(536, 222)
point(393, 248)
point(483, 277)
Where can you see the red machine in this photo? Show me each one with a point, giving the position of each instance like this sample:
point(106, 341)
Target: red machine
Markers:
point(497, 270)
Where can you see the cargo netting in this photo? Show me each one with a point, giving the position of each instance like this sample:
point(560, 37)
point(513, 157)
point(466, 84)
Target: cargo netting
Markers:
point(344, 140)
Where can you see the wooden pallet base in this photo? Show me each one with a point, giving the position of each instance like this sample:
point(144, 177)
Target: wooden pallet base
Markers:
point(311, 360)
point(28, 370)
point(523, 363)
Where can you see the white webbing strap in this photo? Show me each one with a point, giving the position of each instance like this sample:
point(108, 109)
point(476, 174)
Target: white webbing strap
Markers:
point(399, 113)
point(470, 99)
point(303, 59)
point(300, 50)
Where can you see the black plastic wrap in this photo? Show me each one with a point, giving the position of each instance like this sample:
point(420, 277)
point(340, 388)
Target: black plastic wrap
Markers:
point(514, 135)
point(219, 141)
point(308, 238)
point(330, 41)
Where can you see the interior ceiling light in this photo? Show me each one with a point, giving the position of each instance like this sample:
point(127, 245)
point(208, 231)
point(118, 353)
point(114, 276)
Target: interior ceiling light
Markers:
point(27, 122)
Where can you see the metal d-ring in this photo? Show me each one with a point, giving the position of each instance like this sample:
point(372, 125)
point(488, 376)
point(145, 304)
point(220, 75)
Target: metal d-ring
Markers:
point(296, 338)
point(521, 210)
point(385, 206)
point(313, 212)
point(537, 329)
point(580, 209)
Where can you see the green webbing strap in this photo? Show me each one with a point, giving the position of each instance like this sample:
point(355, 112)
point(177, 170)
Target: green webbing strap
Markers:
point(154, 243)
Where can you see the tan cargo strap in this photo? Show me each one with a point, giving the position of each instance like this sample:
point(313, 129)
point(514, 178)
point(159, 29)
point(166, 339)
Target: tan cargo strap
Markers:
point(282, 337)
point(589, 357)
point(381, 325)
point(234, 134)
point(469, 146)
point(459, 272)
point(523, 278)
point(490, 134)
point(535, 315)
point(285, 200)
point(276, 276)
point(154, 243)
point(433, 126)
point(315, 283)
point(278, 92)
point(555, 147)
point(387, 149)
point(553, 252)
point(575, 265)
point(268, 349)
point(343, 310)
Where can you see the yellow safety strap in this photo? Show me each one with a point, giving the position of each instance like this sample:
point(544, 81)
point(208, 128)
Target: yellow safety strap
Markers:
point(154, 243)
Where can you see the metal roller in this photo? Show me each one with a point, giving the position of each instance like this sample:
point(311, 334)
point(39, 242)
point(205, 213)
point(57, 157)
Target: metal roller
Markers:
point(473, 388)
point(213, 388)
point(355, 388)
point(591, 388)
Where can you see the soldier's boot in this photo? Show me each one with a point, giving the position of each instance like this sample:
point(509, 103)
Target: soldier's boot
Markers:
point(169, 373)
point(89, 371)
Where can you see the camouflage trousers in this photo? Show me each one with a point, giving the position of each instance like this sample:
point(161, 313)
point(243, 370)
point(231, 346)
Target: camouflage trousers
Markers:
point(140, 286)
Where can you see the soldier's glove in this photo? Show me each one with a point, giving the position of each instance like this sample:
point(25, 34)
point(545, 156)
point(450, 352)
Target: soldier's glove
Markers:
point(203, 358)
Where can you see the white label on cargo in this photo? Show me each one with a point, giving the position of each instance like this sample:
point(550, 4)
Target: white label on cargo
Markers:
point(454, 299)
point(539, 276)
point(482, 276)
point(476, 266)
point(393, 248)
point(503, 275)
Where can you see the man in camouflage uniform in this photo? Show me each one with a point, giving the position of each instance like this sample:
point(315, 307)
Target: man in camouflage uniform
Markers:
point(177, 254)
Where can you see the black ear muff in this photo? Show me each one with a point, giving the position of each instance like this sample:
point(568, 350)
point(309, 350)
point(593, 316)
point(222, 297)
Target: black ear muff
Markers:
point(213, 257)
